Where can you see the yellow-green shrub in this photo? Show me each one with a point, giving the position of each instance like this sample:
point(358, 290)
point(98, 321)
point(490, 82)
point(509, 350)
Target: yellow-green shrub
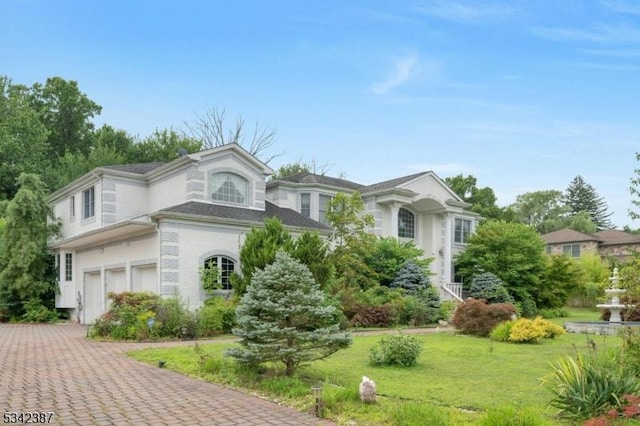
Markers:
point(551, 330)
point(502, 331)
point(526, 331)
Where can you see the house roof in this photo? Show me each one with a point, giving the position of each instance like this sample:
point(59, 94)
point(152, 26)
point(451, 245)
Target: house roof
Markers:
point(615, 236)
point(607, 237)
point(287, 216)
point(392, 183)
point(311, 178)
point(138, 168)
point(569, 236)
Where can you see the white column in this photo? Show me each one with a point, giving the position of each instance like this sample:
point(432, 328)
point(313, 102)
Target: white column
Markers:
point(447, 256)
point(395, 208)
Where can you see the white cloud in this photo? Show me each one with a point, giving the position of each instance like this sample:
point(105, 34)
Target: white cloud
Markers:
point(623, 6)
point(404, 69)
point(602, 34)
point(623, 54)
point(464, 12)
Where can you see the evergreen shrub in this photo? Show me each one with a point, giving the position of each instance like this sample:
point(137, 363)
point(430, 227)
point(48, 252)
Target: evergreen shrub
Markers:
point(489, 287)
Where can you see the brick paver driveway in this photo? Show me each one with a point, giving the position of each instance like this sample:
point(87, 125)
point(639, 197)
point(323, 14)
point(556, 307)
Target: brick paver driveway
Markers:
point(54, 368)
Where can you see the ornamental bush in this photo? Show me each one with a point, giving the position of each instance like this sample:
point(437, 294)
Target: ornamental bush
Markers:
point(502, 331)
point(526, 331)
point(551, 330)
point(489, 287)
point(478, 318)
point(399, 349)
point(129, 313)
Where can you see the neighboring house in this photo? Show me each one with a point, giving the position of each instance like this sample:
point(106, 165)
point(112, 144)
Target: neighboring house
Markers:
point(613, 243)
point(153, 226)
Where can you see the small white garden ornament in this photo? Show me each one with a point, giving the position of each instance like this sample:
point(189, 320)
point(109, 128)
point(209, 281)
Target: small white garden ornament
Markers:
point(367, 390)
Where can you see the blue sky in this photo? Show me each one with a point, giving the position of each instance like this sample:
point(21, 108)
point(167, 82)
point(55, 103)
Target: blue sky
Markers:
point(524, 95)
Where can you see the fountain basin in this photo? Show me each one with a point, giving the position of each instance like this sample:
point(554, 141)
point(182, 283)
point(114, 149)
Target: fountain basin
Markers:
point(599, 327)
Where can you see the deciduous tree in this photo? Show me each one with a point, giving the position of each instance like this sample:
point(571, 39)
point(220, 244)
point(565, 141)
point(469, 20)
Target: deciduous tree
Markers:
point(301, 166)
point(162, 145)
point(212, 129)
point(542, 210)
point(511, 251)
point(482, 200)
point(66, 113)
point(23, 137)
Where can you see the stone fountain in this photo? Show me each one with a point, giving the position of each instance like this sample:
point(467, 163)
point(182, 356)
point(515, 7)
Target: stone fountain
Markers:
point(614, 306)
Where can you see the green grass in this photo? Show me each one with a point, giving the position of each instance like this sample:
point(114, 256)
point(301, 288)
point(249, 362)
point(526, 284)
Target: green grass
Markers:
point(458, 380)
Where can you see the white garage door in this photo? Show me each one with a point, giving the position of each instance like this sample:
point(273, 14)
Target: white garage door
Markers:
point(116, 283)
point(144, 278)
point(92, 297)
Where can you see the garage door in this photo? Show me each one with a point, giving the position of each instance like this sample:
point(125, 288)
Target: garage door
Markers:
point(93, 301)
point(144, 278)
point(116, 283)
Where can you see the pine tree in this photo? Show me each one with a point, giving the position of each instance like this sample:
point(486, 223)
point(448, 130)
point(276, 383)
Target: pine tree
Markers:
point(489, 287)
point(410, 277)
point(582, 197)
point(284, 317)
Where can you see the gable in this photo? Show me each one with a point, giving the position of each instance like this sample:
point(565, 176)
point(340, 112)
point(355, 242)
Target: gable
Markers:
point(428, 185)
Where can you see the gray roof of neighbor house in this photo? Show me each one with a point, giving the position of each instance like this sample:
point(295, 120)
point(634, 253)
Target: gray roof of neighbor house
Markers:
point(568, 236)
point(615, 236)
point(392, 183)
point(311, 178)
point(607, 237)
point(139, 168)
point(287, 216)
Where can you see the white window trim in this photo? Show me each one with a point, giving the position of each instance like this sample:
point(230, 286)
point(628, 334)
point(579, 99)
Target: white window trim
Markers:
point(248, 199)
point(92, 214)
point(462, 243)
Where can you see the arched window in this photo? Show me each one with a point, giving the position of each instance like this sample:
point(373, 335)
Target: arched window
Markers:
point(229, 188)
point(225, 267)
point(406, 224)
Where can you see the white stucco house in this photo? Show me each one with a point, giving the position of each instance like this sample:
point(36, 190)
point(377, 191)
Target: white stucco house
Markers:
point(152, 226)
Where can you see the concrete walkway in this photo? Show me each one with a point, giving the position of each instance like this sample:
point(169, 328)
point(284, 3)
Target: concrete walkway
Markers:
point(54, 368)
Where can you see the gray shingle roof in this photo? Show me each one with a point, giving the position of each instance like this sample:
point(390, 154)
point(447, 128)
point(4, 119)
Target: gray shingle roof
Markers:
point(139, 168)
point(287, 216)
point(306, 177)
point(568, 236)
point(605, 238)
point(392, 183)
point(615, 236)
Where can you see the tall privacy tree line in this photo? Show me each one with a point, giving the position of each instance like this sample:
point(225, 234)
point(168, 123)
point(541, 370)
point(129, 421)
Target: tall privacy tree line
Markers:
point(48, 129)
point(579, 207)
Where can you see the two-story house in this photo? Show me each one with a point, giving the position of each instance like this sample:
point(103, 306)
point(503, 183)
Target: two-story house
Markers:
point(153, 226)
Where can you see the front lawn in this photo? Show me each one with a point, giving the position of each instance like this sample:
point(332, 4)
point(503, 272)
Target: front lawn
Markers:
point(458, 379)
